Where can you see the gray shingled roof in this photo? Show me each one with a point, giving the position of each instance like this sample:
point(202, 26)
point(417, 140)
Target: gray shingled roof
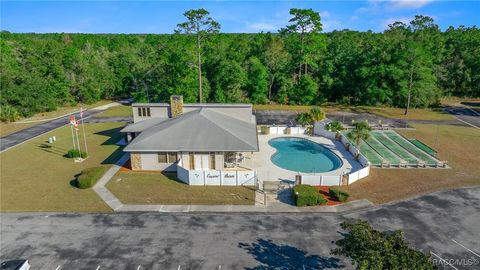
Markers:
point(143, 125)
point(199, 130)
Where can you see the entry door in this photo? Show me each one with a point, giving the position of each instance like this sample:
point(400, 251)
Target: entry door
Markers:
point(201, 161)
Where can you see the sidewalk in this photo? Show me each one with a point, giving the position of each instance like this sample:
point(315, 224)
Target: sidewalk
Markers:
point(273, 207)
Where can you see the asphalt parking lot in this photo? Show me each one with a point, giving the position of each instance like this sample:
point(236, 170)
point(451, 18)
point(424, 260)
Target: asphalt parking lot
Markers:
point(442, 224)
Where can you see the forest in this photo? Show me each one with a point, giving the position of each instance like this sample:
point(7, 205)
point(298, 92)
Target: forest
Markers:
point(410, 65)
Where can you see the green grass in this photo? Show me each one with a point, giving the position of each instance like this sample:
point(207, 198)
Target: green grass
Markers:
point(35, 176)
point(163, 188)
point(370, 154)
point(120, 110)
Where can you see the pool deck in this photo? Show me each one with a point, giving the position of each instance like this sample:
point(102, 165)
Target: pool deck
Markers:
point(267, 171)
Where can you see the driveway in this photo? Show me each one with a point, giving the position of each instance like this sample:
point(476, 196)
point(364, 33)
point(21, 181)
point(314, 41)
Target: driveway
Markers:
point(445, 224)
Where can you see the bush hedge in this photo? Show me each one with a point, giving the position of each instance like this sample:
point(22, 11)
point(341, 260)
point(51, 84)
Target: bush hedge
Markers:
point(89, 177)
point(338, 194)
point(75, 153)
point(307, 195)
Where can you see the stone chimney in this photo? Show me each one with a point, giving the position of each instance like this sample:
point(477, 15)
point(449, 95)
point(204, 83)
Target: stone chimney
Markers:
point(176, 106)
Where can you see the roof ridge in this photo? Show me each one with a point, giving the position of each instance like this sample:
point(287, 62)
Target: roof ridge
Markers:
point(228, 131)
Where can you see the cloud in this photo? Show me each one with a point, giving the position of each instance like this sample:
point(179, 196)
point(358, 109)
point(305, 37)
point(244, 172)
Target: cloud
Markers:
point(330, 25)
point(407, 4)
point(262, 26)
point(324, 14)
point(405, 20)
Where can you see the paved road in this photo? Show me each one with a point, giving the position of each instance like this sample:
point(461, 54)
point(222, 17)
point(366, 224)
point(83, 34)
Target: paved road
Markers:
point(466, 115)
point(443, 223)
point(31, 132)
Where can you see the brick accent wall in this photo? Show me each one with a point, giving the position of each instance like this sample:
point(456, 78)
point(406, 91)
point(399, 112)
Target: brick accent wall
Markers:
point(136, 161)
point(176, 105)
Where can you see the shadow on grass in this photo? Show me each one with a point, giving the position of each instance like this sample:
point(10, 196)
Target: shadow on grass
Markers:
point(114, 135)
point(273, 256)
point(52, 149)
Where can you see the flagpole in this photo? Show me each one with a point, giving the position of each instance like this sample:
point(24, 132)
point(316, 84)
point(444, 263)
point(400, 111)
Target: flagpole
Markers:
point(83, 128)
point(73, 137)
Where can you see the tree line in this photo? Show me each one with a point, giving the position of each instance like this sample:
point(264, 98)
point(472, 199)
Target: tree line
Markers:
point(407, 65)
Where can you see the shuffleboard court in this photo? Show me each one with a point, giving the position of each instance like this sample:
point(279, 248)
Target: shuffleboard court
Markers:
point(383, 151)
point(397, 149)
point(394, 136)
point(370, 154)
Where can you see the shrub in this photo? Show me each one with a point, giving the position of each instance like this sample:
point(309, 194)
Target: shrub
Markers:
point(89, 177)
point(338, 194)
point(307, 195)
point(8, 113)
point(75, 153)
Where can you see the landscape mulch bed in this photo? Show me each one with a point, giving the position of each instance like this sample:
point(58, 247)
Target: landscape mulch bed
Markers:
point(324, 190)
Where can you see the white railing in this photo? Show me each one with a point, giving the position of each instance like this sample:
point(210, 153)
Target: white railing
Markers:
point(279, 130)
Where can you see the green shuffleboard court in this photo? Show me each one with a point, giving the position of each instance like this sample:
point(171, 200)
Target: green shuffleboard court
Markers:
point(424, 147)
point(390, 146)
point(394, 147)
point(394, 136)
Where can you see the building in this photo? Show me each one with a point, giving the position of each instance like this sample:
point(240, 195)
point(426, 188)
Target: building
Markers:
point(205, 144)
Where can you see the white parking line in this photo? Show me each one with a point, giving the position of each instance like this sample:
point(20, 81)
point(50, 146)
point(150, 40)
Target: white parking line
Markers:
point(98, 267)
point(179, 266)
point(58, 267)
point(138, 268)
point(442, 259)
point(470, 124)
point(476, 254)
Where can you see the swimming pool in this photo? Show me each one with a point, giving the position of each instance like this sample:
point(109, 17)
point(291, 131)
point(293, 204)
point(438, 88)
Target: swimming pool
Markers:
point(302, 155)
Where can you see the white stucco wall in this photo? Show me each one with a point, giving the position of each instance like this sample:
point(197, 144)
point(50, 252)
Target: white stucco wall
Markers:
point(150, 163)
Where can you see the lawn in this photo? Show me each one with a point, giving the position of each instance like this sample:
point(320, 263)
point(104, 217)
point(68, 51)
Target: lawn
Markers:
point(163, 188)
point(121, 110)
point(35, 176)
point(459, 146)
point(9, 128)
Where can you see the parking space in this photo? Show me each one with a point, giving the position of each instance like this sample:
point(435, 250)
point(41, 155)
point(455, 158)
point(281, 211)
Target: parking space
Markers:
point(441, 224)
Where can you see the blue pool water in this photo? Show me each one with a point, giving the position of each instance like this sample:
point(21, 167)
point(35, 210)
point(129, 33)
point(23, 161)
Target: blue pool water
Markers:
point(302, 155)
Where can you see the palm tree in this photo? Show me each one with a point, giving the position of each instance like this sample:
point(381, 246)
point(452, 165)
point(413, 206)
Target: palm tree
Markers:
point(304, 119)
point(360, 132)
point(316, 115)
point(335, 126)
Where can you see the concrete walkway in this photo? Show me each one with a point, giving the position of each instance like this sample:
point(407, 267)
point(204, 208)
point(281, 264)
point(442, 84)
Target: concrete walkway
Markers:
point(275, 207)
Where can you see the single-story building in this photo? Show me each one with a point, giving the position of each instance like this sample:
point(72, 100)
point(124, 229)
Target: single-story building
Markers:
point(206, 144)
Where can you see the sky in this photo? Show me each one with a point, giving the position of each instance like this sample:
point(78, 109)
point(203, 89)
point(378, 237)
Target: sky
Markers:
point(234, 16)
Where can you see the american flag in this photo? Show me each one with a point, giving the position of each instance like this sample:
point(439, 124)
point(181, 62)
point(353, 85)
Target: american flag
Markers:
point(73, 122)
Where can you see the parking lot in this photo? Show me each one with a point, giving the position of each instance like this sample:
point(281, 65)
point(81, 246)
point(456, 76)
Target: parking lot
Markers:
point(442, 224)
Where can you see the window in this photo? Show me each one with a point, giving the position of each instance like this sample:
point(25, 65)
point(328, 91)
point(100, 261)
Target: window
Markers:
point(162, 157)
point(212, 160)
point(172, 157)
point(143, 112)
point(167, 157)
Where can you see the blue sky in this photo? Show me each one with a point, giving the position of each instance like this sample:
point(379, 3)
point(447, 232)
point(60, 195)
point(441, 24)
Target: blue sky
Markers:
point(234, 16)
